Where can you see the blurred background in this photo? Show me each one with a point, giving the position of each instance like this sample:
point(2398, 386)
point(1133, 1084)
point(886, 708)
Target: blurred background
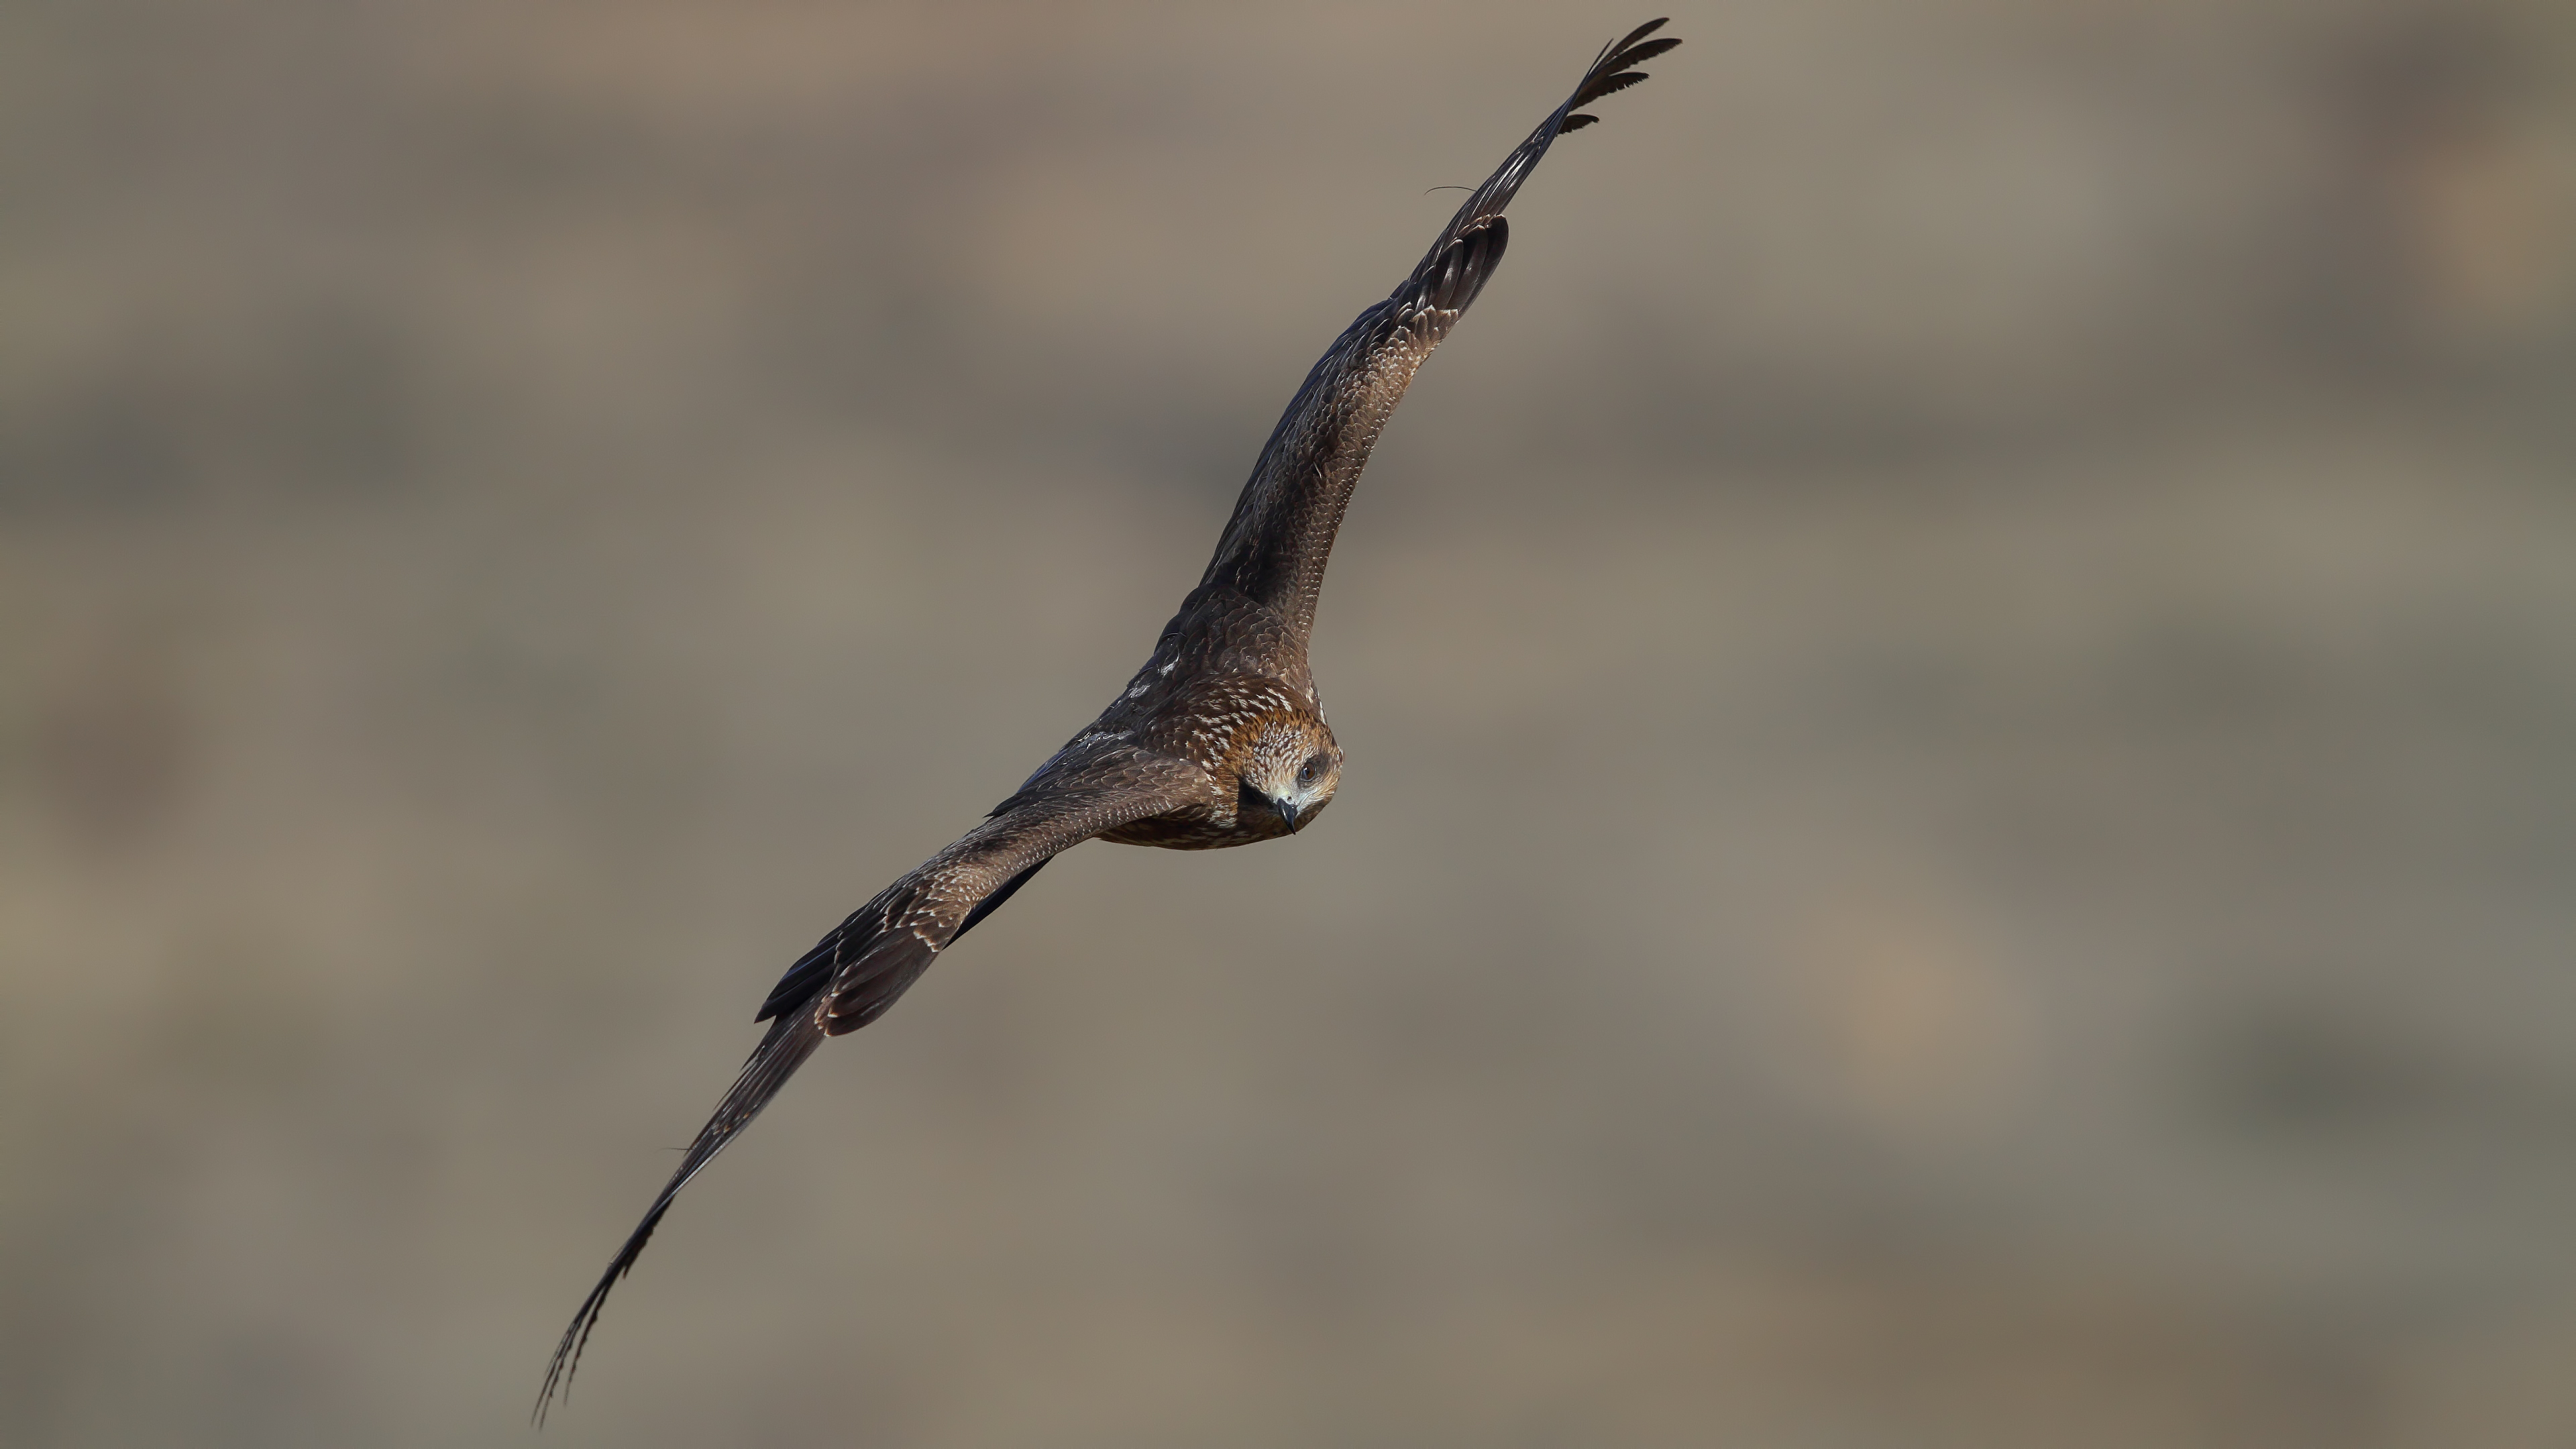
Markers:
point(1961, 695)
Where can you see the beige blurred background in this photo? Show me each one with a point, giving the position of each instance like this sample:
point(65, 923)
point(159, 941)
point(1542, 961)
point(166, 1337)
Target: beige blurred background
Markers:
point(1961, 693)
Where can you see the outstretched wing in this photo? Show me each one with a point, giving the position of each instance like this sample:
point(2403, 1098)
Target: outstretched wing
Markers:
point(1275, 545)
point(856, 971)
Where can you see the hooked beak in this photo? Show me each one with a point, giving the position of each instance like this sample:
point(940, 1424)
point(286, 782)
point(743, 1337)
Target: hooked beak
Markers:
point(1287, 810)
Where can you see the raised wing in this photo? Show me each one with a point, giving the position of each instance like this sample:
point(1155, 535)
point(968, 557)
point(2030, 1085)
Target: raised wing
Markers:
point(1274, 547)
point(856, 971)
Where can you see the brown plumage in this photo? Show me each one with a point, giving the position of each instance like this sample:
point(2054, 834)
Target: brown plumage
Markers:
point(1219, 739)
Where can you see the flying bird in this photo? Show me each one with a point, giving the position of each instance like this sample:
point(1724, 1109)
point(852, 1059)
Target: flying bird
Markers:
point(1219, 740)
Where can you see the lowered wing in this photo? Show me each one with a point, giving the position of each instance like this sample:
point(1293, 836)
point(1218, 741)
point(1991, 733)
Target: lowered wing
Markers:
point(855, 973)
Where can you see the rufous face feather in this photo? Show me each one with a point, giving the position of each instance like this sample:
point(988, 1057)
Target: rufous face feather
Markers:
point(1292, 768)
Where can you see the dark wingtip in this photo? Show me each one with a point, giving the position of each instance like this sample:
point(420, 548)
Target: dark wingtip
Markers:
point(1613, 73)
point(1610, 72)
point(1607, 74)
point(789, 1042)
point(1642, 31)
point(567, 1359)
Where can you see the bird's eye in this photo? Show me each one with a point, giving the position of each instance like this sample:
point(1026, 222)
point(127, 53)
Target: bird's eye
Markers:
point(1312, 770)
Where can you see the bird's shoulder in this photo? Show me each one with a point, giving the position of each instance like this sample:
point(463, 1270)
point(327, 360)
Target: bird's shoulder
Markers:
point(1223, 705)
point(1215, 641)
point(1109, 758)
point(1194, 725)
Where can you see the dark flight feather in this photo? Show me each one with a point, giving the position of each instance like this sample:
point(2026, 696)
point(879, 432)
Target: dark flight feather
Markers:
point(993, 902)
point(1615, 84)
point(780, 1053)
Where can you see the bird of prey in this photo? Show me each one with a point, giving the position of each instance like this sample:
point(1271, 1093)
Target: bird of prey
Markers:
point(1219, 740)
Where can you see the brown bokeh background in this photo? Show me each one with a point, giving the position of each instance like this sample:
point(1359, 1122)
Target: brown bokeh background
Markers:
point(1961, 695)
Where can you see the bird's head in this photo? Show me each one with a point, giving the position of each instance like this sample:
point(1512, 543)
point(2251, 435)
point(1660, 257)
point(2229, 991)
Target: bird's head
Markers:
point(1290, 771)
